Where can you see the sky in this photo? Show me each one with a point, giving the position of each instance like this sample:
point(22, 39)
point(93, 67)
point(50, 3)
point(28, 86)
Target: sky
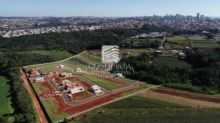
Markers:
point(108, 8)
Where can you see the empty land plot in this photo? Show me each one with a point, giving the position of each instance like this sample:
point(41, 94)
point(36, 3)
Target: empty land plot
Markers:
point(5, 101)
point(176, 39)
point(140, 109)
point(197, 38)
point(179, 100)
point(39, 88)
point(95, 57)
point(170, 61)
point(140, 102)
point(151, 115)
point(98, 80)
point(205, 44)
point(55, 54)
point(52, 109)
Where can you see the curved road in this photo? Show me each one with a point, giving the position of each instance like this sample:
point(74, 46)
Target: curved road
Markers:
point(39, 111)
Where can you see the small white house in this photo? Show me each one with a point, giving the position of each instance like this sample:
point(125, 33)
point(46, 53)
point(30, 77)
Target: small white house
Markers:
point(62, 66)
point(158, 52)
point(65, 81)
point(39, 79)
point(65, 74)
point(161, 48)
point(174, 52)
point(119, 75)
point(97, 90)
point(182, 55)
point(78, 70)
point(95, 87)
point(77, 90)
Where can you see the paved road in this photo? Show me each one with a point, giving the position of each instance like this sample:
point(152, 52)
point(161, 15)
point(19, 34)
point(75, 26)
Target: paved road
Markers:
point(39, 111)
point(163, 41)
point(114, 100)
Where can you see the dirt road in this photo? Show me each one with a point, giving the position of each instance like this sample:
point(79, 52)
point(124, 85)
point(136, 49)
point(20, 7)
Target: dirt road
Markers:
point(186, 94)
point(39, 111)
point(186, 100)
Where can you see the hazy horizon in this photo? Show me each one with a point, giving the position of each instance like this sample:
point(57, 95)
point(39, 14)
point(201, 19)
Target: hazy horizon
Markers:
point(110, 8)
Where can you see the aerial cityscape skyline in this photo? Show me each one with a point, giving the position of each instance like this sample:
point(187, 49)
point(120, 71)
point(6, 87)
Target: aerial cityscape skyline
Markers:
point(110, 8)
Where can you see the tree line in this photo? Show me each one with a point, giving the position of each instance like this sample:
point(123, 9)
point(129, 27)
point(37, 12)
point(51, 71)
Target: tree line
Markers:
point(74, 42)
point(203, 76)
point(23, 107)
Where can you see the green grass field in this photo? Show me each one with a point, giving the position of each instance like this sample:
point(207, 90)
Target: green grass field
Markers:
point(205, 44)
point(5, 101)
point(56, 54)
point(170, 61)
point(141, 110)
point(176, 39)
point(141, 102)
point(136, 52)
point(92, 57)
point(51, 108)
point(39, 89)
point(104, 83)
point(197, 37)
point(127, 80)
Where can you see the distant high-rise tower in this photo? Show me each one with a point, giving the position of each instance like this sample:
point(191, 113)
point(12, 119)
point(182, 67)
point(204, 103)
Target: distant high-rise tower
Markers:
point(198, 15)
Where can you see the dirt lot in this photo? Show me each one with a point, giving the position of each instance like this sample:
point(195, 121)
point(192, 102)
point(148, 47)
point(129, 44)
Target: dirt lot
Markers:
point(193, 100)
point(187, 94)
point(63, 107)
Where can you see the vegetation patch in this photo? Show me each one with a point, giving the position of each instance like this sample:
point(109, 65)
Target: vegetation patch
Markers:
point(190, 87)
point(206, 44)
point(176, 39)
point(52, 109)
point(159, 115)
point(5, 99)
point(141, 102)
point(98, 80)
point(171, 61)
point(56, 54)
point(39, 89)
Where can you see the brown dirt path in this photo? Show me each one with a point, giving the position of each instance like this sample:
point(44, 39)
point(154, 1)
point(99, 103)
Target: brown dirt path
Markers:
point(186, 94)
point(39, 111)
point(194, 103)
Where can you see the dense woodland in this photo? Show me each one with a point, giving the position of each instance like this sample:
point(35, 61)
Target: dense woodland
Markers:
point(74, 42)
point(203, 76)
point(22, 104)
point(204, 72)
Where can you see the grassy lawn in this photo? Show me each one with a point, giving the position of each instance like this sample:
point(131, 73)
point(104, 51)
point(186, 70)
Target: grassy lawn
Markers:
point(176, 39)
point(83, 95)
point(141, 110)
point(127, 80)
point(51, 67)
point(197, 37)
point(39, 89)
point(136, 52)
point(94, 58)
point(104, 83)
point(170, 61)
point(205, 44)
point(159, 115)
point(5, 101)
point(56, 54)
point(86, 58)
point(51, 107)
point(191, 88)
point(141, 102)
